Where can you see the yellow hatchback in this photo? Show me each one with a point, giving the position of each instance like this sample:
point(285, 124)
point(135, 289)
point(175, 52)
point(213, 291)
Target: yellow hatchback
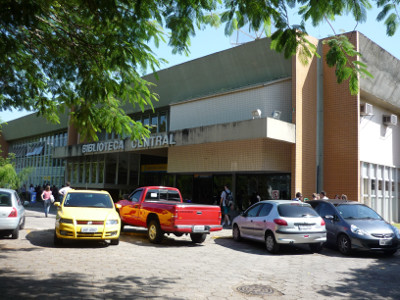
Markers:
point(87, 215)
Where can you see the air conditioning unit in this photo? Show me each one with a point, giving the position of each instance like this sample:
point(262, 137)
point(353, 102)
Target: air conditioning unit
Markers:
point(366, 109)
point(390, 120)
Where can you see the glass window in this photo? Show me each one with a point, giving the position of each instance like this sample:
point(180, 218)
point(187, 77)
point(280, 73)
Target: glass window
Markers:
point(93, 166)
point(101, 172)
point(265, 210)
point(253, 211)
point(135, 197)
point(162, 127)
point(324, 209)
point(295, 210)
point(154, 124)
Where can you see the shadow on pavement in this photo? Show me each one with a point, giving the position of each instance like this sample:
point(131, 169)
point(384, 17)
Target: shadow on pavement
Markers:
point(17, 285)
point(138, 236)
point(44, 238)
point(258, 248)
point(378, 281)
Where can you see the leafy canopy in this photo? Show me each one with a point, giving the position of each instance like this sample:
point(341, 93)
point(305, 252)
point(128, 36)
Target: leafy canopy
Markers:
point(86, 56)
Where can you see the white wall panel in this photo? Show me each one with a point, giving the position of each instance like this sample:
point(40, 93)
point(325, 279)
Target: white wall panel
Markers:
point(379, 144)
point(232, 107)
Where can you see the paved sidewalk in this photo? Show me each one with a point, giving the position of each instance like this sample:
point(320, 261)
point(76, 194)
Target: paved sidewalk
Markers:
point(220, 268)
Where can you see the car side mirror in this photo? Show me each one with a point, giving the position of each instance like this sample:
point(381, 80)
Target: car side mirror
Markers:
point(56, 203)
point(243, 214)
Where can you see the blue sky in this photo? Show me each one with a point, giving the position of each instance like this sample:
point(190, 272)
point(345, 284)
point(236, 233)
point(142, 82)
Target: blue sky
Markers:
point(212, 40)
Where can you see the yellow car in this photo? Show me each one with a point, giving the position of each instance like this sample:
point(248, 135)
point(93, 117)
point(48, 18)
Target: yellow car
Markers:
point(87, 215)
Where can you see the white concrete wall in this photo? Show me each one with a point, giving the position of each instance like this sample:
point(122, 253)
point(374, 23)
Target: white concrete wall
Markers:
point(232, 107)
point(379, 144)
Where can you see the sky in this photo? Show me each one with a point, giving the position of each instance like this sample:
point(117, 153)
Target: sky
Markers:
point(211, 40)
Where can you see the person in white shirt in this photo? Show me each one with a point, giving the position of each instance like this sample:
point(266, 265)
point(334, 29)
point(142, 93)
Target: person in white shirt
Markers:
point(323, 196)
point(64, 190)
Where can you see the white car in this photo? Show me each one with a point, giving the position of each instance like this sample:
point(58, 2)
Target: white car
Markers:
point(12, 213)
point(277, 222)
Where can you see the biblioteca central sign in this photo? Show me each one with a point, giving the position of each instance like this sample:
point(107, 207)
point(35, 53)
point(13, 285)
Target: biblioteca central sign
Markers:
point(154, 141)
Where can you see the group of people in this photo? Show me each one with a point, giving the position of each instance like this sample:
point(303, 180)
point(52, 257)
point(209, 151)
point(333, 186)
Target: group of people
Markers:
point(321, 196)
point(47, 193)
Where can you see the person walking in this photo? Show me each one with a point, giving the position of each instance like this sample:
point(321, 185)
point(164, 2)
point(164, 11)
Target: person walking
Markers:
point(226, 197)
point(46, 197)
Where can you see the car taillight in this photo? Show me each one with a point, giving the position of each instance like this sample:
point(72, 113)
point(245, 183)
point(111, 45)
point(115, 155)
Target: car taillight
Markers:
point(280, 222)
point(13, 213)
point(322, 222)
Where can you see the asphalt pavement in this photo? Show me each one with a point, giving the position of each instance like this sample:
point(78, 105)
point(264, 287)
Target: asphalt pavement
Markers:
point(220, 268)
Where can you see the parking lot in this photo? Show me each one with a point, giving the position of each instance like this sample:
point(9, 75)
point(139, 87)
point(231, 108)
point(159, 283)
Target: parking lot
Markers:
point(220, 268)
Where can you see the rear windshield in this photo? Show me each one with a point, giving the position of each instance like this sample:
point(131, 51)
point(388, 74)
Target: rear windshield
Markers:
point(296, 211)
point(88, 200)
point(162, 195)
point(5, 199)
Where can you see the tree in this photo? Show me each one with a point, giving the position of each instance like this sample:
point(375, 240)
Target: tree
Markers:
point(86, 55)
point(8, 176)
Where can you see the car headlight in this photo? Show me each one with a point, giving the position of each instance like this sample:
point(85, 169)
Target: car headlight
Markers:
point(356, 230)
point(112, 222)
point(66, 221)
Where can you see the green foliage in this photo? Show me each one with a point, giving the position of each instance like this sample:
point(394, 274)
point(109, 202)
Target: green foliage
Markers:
point(83, 55)
point(87, 56)
point(343, 57)
point(8, 176)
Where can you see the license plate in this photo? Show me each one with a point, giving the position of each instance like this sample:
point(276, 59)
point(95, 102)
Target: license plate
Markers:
point(305, 227)
point(385, 242)
point(199, 228)
point(89, 229)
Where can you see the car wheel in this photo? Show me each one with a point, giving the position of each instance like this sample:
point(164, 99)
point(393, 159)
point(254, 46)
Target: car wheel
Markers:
point(316, 247)
point(22, 226)
point(236, 233)
point(114, 242)
point(270, 243)
point(154, 232)
point(15, 233)
point(57, 240)
point(390, 252)
point(198, 237)
point(344, 244)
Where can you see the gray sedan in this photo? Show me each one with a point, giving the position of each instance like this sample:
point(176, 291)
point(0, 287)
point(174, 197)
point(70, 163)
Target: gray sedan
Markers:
point(353, 226)
point(12, 213)
point(277, 222)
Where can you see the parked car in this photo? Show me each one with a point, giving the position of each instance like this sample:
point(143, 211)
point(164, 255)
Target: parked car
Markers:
point(87, 215)
point(12, 213)
point(161, 210)
point(277, 222)
point(352, 226)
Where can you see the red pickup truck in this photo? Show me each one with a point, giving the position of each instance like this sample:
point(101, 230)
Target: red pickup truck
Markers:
point(161, 210)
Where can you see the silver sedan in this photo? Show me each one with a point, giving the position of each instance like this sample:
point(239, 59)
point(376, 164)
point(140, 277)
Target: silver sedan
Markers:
point(277, 222)
point(12, 213)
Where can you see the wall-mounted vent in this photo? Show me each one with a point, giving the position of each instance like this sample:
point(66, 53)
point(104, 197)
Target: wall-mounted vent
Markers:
point(390, 120)
point(366, 109)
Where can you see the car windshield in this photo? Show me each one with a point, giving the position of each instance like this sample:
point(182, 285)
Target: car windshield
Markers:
point(296, 211)
point(5, 199)
point(161, 195)
point(88, 200)
point(357, 212)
